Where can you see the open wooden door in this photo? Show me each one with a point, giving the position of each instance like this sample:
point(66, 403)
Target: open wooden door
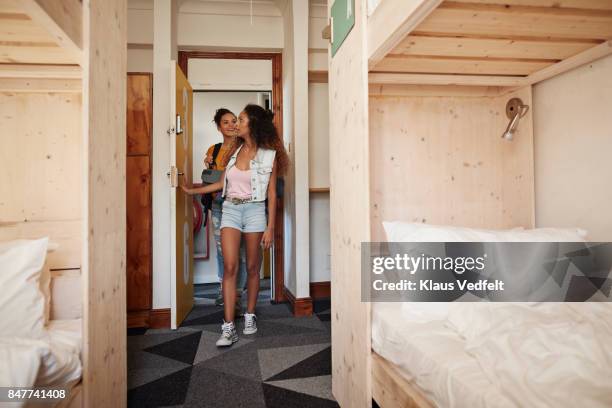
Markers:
point(181, 205)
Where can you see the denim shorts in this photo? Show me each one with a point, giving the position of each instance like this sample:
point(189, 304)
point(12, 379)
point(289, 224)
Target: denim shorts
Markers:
point(247, 217)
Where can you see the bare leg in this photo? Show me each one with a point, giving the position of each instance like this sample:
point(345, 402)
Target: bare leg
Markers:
point(230, 245)
point(253, 256)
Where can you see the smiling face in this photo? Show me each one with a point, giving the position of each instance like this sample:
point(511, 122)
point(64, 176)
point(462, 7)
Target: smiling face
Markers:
point(227, 125)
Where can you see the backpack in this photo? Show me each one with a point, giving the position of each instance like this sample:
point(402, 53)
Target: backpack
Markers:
point(207, 199)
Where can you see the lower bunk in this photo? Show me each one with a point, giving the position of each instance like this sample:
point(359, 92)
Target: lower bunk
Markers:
point(492, 355)
point(41, 341)
point(485, 354)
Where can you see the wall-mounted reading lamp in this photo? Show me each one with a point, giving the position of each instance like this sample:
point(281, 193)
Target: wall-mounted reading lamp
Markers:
point(515, 110)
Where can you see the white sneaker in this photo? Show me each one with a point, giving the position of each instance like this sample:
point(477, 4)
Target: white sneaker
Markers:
point(228, 335)
point(250, 323)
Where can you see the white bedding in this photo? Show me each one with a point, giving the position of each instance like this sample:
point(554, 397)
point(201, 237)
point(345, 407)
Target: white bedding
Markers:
point(53, 360)
point(433, 356)
point(502, 355)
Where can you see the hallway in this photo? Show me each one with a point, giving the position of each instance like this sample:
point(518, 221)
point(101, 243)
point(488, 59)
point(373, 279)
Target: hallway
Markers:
point(286, 364)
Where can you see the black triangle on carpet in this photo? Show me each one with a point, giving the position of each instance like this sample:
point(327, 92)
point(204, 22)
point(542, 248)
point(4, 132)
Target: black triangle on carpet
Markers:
point(314, 366)
point(277, 397)
point(169, 390)
point(183, 349)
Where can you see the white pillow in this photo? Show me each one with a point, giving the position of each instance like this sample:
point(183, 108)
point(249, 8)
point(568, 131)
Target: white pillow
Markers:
point(547, 235)
point(398, 231)
point(409, 232)
point(22, 304)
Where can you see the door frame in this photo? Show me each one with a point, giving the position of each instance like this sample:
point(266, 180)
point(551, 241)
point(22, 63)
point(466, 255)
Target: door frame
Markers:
point(277, 108)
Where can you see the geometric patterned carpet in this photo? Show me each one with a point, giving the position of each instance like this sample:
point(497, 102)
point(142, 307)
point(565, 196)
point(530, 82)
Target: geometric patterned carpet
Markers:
point(287, 363)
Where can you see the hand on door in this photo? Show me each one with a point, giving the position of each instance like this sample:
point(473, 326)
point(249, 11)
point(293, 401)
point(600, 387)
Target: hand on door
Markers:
point(186, 190)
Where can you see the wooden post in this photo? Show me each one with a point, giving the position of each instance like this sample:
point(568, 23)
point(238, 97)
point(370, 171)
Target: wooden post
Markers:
point(104, 113)
point(350, 215)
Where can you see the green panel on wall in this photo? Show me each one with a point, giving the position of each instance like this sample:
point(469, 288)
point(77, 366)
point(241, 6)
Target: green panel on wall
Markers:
point(343, 21)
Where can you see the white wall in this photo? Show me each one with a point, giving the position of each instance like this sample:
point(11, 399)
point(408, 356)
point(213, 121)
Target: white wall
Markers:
point(317, 60)
point(320, 252)
point(230, 74)
point(140, 59)
point(318, 135)
point(316, 23)
point(205, 134)
point(573, 150)
point(212, 25)
point(318, 157)
point(140, 22)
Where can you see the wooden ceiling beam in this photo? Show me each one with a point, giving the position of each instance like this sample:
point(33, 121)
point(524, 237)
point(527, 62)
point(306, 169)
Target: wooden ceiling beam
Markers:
point(585, 57)
point(431, 79)
point(62, 19)
point(391, 22)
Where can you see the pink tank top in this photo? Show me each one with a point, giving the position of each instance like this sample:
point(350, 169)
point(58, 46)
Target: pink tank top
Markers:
point(238, 183)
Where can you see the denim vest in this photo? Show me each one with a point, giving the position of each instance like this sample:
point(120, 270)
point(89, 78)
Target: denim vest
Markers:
point(261, 169)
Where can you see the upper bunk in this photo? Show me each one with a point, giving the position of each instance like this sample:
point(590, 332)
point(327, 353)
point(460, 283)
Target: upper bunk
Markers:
point(505, 43)
point(41, 108)
point(41, 41)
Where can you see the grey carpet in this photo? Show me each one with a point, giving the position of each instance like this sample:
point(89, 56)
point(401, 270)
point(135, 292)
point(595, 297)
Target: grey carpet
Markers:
point(287, 363)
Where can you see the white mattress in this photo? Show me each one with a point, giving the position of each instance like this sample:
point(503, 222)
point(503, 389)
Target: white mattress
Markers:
point(501, 355)
point(433, 356)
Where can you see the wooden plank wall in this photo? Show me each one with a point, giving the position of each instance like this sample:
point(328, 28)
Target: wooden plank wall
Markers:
point(349, 209)
point(104, 99)
point(441, 160)
point(40, 181)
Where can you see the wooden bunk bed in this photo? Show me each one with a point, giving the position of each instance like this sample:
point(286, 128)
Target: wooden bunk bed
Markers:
point(62, 86)
point(442, 70)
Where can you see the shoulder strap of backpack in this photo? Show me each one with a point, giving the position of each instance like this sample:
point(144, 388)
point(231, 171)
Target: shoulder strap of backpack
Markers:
point(216, 153)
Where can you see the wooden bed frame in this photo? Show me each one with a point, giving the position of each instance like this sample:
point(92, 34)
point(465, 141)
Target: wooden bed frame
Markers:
point(61, 62)
point(406, 78)
point(391, 389)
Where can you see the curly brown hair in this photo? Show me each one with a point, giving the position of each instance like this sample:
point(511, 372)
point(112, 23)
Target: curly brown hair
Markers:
point(264, 134)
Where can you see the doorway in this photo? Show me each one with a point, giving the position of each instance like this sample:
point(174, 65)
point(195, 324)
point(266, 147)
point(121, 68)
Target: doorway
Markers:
point(232, 80)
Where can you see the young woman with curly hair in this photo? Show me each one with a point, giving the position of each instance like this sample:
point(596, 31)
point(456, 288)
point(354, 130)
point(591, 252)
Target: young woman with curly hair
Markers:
point(252, 164)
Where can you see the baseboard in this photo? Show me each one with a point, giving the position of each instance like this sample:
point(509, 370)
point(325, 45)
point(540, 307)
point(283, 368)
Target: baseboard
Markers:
point(320, 290)
point(152, 319)
point(139, 318)
point(301, 306)
point(159, 319)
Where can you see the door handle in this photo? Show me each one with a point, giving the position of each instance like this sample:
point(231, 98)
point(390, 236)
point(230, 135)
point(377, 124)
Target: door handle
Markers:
point(174, 174)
